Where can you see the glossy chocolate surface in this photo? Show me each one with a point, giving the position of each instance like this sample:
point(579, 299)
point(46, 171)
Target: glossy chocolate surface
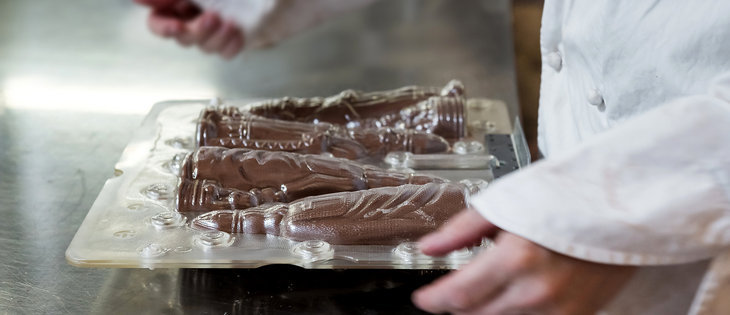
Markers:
point(273, 184)
point(205, 195)
point(411, 107)
point(229, 127)
point(214, 178)
point(387, 215)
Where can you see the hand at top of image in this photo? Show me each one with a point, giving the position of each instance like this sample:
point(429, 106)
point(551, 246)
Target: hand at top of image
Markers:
point(189, 25)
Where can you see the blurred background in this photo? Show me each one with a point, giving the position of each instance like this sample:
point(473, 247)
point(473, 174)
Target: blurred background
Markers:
point(76, 77)
point(94, 56)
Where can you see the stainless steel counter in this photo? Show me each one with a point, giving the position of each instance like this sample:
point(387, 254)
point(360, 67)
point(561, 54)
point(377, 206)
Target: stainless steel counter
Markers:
point(77, 76)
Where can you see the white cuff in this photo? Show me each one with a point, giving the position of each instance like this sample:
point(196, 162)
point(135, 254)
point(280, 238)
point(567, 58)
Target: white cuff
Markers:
point(653, 190)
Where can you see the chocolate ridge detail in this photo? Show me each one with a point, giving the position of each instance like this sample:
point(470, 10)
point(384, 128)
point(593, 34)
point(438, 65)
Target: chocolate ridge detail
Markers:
point(206, 195)
point(387, 215)
point(242, 130)
point(412, 107)
point(345, 107)
point(241, 178)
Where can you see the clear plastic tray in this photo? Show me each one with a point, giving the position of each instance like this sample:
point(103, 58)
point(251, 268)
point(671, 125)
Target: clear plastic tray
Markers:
point(133, 222)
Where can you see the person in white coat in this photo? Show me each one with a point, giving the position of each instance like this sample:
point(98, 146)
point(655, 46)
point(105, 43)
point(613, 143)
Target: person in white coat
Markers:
point(635, 127)
point(629, 212)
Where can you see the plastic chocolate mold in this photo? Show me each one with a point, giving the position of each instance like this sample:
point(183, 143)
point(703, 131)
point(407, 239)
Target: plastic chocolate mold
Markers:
point(135, 220)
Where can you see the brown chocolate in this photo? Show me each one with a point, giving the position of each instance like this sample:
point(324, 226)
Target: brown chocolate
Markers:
point(387, 215)
point(378, 142)
point(411, 107)
point(206, 195)
point(228, 127)
point(221, 178)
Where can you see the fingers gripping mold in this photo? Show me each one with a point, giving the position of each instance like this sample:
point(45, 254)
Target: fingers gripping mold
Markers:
point(346, 181)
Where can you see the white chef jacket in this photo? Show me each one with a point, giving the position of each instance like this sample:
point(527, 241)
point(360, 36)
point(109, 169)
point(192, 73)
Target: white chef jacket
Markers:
point(635, 126)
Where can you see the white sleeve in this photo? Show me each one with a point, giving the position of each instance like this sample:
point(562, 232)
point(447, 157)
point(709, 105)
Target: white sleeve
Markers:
point(265, 22)
point(652, 190)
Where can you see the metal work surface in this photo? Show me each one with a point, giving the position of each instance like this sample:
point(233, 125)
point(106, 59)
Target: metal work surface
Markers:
point(76, 77)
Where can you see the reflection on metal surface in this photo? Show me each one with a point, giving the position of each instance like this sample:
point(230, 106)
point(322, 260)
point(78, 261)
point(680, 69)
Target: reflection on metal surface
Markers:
point(293, 290)
point(272, 289)
point(136, 291)
point(44, 93)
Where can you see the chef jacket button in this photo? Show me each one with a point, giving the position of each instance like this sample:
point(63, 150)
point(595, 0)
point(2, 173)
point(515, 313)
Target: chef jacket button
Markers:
point(554, 60)
point(595, 98)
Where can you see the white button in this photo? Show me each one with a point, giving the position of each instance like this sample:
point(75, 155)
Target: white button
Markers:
point(594, 97)
point(554, 60)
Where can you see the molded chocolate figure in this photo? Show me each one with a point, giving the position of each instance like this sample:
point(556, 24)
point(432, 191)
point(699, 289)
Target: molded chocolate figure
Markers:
point(351, 105)
point(206, 195)
point(239, 130)
point(228, 127)
point(410, 107)
point(441, 115)
point(220, 178)
point(387, 215)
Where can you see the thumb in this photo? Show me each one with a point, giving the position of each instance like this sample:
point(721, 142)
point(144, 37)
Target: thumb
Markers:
point(465, 229)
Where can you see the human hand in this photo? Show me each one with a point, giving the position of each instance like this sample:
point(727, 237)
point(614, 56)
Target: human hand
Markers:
point(185, 22)
point(516, 276)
